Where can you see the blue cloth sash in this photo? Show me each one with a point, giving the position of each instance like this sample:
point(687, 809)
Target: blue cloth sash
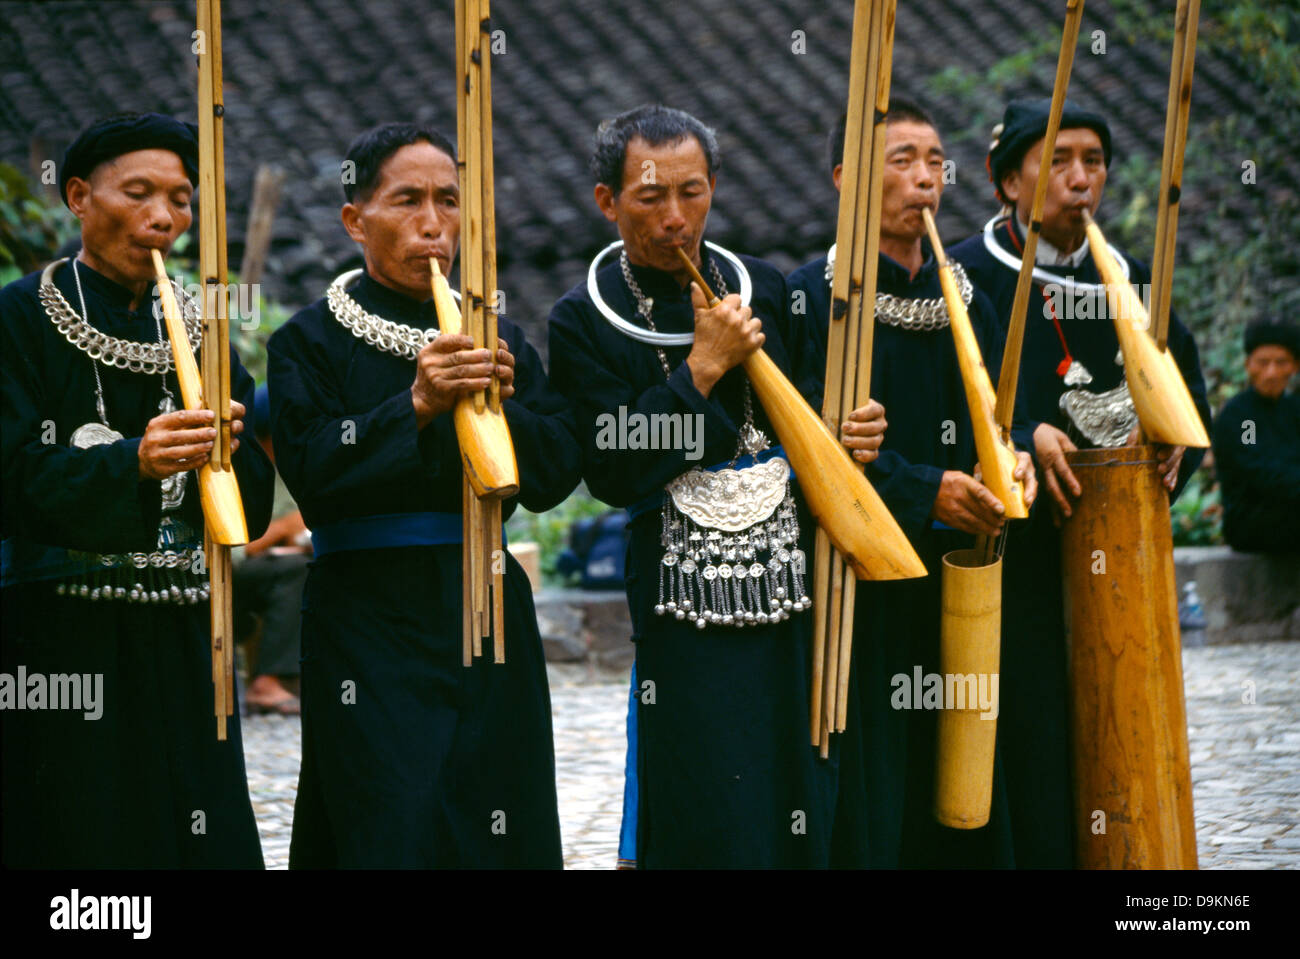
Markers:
point(389, 530)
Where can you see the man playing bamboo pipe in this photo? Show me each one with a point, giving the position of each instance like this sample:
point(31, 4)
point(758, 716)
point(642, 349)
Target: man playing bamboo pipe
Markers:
point(410, 758)
point(923, 475)
point(104, 579)
point(726, 775)
point(1071, 391)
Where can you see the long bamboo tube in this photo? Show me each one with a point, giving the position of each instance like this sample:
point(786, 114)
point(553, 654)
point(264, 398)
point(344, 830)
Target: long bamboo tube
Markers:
point(216, 372)
point(1009, 377)
point(486, 448)
point(1164, 406)
point(841, 344)
point(1171, 166)
point(858, 387)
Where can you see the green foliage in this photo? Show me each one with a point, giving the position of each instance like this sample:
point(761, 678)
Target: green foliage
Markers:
point(31, 228)
point(1197, 516)
point(550, 530)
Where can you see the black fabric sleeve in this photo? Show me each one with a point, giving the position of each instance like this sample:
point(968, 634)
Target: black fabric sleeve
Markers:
point(86, 499)
point(325, 451)
point(543, 431)
point(618, 476)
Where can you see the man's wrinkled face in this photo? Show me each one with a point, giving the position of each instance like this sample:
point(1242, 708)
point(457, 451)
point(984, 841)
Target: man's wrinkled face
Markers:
point(1270, 368)
point(913, 179)
point(1077, 178)
point(130, 205)
point(663, 203)
point(412, 213)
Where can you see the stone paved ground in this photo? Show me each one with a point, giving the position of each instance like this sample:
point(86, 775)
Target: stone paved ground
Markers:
point(1245, 760)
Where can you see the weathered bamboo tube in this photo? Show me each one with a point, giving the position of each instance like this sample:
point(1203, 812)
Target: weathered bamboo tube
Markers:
point(488, 212)
point(1164, 406)
point(1133, 791)
point(467, 577)
point(821, 600)
point(969, 661)
point(1010, 375)
point(1171, 165)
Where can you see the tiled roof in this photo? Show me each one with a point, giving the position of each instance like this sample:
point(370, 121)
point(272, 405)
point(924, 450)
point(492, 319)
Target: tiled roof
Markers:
point(303, 77)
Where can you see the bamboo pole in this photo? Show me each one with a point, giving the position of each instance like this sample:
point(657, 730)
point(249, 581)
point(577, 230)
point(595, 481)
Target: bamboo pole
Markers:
point(491, 306)
point(866, 312)
point(1010, 374)
point(821, 593)
point(1171, 166)
point(216, 345)
point(845, 360)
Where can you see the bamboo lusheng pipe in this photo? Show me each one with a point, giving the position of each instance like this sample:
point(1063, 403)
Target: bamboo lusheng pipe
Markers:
point(216, 343)
point(1171, 165)
point(838, 494)
point(1164, 406)
point(828, 566)
point(485, 444)
point(997, 455)
point(850, 338)
point(1010, 375)
point(223, 508)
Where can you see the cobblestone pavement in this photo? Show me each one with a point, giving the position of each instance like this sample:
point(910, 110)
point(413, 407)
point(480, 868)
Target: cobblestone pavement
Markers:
point(1245, 760)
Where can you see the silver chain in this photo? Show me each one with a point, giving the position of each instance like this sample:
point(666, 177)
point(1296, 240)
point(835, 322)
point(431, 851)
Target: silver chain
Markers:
point(913, 313)
point(396, 338)
point(645, 304)
point(750, 439)
point(113, 351)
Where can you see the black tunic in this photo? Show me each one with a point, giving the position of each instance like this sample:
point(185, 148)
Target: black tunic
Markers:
point(1033, 728)
point(122, 790)
point(724, 761)
point(1257, 458)
point(418, 765)
point(914, 373)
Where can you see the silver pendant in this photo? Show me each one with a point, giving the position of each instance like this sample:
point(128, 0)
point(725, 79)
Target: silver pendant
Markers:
point(93, 434)
point(173, 487)
point(1077, 374)
point(1104, 418)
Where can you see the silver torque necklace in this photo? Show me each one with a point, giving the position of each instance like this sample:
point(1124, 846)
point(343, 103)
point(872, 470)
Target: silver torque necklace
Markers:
point(909, 313)
point(111, 350)
point(398, 339)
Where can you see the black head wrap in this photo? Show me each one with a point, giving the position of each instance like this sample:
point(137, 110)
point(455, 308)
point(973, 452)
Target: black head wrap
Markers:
point(109, 138)
point(1273, 333)
point(1025, 123)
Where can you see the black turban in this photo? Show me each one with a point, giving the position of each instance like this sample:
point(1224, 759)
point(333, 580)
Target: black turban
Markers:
point(1025, 123)
point(1273, 333)
point(109, 138)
